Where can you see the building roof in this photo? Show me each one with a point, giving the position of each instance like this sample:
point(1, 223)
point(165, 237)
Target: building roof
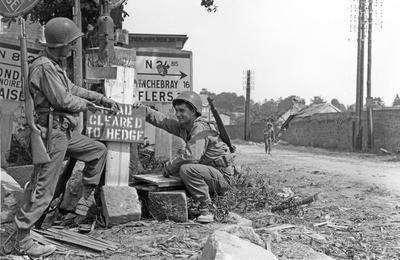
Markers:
point(318, 109)
point(137, 39)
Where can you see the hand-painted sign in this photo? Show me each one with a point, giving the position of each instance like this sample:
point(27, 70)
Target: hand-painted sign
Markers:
point(127, 126)
point(10, 71)
point(14, 8)
point(162, 74)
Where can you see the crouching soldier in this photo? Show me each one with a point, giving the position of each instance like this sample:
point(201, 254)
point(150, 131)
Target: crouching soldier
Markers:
point(205, 165)
point(57, 101)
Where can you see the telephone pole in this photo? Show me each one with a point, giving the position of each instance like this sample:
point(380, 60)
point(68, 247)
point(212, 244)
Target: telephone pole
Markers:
point(249, 84)
point(357, 141)
point(369, 101)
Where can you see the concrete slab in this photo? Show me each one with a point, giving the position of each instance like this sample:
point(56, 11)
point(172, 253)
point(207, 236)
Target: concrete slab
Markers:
point(171, 205)
point(120, 204)
point(222, 245)
point(11, 197)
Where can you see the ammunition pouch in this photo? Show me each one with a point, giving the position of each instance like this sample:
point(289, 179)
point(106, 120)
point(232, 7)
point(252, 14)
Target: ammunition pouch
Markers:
point(223, 161)
point(59, 121)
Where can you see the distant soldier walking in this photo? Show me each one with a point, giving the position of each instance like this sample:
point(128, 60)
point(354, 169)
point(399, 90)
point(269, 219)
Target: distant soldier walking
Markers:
point(57, 101)
point(269, 137)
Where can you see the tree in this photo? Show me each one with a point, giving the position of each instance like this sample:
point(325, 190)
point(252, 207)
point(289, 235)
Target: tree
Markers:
point(396, 101)
point(378, 102)
point(317, 100)
point(210, 94)
point(229, 102)
point(339, 105)
point(351, 108)
point(287, 103)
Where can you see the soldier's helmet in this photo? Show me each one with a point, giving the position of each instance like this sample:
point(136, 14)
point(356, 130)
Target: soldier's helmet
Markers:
point(61, 31)
point(191, 98)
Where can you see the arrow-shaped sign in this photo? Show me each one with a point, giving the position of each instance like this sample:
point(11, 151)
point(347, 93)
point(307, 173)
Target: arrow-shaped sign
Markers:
point(182, 75)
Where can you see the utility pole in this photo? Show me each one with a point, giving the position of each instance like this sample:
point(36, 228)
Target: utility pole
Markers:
point(78, 75)
point(357, 141)
point(369, 101)
point(247, 122)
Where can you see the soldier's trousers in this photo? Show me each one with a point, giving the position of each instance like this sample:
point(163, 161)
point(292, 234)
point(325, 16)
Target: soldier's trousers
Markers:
point(40, 190)
point(201, 180)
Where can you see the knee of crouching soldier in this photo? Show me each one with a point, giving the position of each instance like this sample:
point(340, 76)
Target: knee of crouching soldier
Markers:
point(102, 149)
point(185, 170)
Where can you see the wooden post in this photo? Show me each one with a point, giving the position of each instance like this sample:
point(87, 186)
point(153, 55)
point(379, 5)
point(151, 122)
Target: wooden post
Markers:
point(247, 107)
point(360, 77)
point(78, 77)
point(369, 102)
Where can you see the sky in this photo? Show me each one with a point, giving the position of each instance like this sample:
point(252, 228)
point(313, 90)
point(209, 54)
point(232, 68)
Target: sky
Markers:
point(303, 48)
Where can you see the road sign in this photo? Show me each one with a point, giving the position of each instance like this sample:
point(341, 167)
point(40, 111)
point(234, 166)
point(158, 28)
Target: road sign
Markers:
point(162, 74)
point(127, 126)
point(14, 8)
point(10, 70)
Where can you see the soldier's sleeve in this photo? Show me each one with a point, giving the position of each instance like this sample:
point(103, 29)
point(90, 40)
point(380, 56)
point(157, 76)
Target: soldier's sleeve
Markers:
point(194, 149)
point(162, 121)
point(46, 79)
point(92, 96)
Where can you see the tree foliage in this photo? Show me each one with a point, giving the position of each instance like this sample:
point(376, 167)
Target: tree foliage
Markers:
point(396, 101)
point(335, 102)
point(317, 100)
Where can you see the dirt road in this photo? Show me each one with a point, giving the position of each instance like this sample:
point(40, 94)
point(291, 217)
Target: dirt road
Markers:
point(359, 192)
point(366, 169)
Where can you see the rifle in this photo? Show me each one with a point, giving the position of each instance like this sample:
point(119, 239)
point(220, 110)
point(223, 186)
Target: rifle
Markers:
point(222, 131)
point(38, 149)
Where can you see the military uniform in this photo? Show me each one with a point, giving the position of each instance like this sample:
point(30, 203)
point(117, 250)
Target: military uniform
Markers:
point(52, 90)
point(205, 165)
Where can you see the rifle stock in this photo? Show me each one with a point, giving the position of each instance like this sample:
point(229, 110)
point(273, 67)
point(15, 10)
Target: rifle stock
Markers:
point(38, 149)
point(223, 133)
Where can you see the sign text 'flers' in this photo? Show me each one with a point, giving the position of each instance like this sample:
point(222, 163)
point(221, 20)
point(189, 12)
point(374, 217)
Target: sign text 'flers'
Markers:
point(10, 72)
point(127, 126)
point(162, 75)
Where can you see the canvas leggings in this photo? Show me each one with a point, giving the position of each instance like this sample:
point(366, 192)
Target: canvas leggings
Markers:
point(41, 188)
point(202, 180)
point(267, 142)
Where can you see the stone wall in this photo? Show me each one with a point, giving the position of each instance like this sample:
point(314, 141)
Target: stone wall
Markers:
point(335, 130)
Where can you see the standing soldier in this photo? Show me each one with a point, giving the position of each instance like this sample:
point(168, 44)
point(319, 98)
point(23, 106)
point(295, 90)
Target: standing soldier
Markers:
point(57, 101)
point(206, 165)
point(269, 137)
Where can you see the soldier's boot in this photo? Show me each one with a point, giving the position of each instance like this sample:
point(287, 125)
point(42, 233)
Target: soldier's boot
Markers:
point(206, 216)
point(86, 201)
point(31, 248)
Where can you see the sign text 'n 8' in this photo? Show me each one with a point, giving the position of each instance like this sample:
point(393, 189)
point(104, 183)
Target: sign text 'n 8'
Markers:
point(127, 126)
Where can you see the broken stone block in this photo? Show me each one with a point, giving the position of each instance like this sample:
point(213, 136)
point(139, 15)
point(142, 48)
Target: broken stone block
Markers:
point(120, 204)
point(21, 174)
point(222, 245)
point(171, 205)
point(238, 220)
point(244, 232)
point(11, 197)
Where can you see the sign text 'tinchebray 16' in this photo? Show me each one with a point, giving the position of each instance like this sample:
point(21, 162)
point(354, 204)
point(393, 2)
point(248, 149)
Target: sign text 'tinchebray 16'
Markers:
point(161, 75)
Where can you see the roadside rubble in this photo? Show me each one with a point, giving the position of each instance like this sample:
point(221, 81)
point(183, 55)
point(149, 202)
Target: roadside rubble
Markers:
point(301, 231)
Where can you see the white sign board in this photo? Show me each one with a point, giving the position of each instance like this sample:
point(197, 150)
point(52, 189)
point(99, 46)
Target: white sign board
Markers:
point(10, 71)
point(162, 74)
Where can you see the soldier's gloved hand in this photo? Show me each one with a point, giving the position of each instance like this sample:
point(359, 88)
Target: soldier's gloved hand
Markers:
point(137, 104)
point(108, 102)
point(91, 106)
